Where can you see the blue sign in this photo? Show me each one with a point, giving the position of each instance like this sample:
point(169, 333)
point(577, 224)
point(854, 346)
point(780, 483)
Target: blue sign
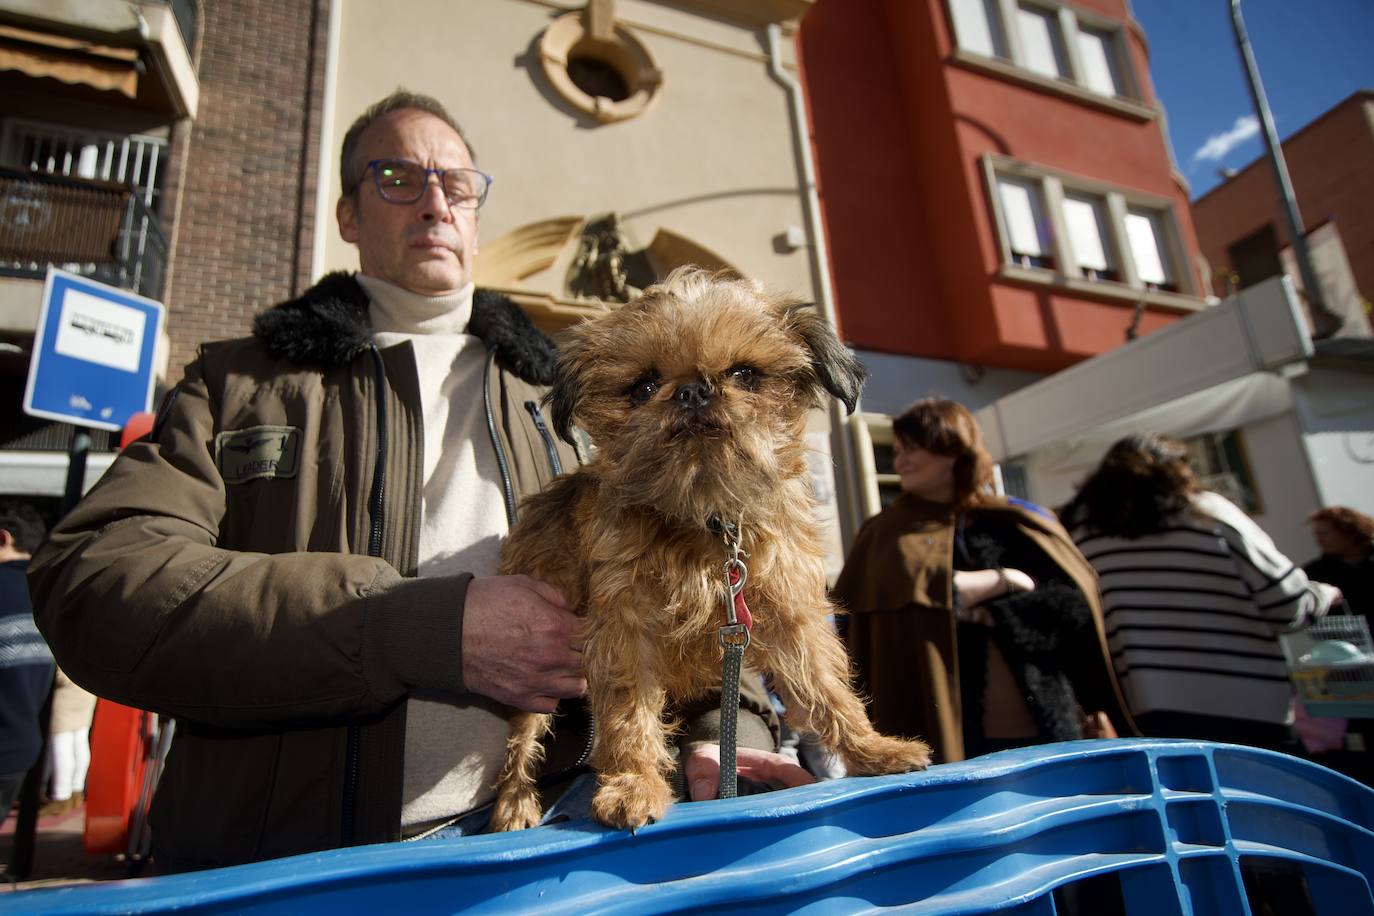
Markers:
point(93, 349)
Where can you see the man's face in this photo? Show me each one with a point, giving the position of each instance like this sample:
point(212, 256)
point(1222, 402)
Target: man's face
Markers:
point(426, 247)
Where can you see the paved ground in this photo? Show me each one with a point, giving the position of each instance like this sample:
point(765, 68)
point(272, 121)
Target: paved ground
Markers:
point(58, 856)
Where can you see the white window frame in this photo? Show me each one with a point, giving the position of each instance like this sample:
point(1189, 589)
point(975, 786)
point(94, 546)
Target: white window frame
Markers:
point(1123, 279)
point(1057, 66)
point(1012, 58)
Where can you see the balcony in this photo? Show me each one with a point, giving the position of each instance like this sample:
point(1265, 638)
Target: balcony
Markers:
point(99, 229)
point(135, 53)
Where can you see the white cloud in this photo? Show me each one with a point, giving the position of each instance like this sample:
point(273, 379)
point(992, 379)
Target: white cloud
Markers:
point(1218, 145)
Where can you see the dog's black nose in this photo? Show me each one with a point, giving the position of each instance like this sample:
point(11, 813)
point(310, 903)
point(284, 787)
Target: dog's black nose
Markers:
point(693, 395)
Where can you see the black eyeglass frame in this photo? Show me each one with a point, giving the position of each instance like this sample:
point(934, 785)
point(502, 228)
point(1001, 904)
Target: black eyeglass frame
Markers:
point(373, 167)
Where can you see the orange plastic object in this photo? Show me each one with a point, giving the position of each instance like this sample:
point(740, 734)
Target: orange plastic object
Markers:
point(138, 426)
point(121, 748)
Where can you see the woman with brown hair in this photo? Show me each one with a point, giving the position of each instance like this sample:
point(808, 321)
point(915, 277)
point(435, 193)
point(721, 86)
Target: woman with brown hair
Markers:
point(1346, 539)
point(973, 620)
point(1195, 595)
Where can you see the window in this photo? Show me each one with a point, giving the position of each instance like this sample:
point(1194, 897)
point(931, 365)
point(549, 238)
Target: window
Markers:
point(1146, 238)
point(1085, 219)
point(608, 77)
point(1221, 465)
point(978, 27)
point(1078, 51)
point(1098, 61)
point(1066, 229)
point(1256, 257)
point(1042, 44)
point(1023, 212)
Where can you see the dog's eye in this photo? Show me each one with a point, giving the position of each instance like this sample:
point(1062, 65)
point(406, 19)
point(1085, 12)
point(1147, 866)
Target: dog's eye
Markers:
point(642, 390)
point(745, 376)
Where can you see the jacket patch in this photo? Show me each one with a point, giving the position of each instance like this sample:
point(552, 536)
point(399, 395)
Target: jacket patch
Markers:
point(258, 451)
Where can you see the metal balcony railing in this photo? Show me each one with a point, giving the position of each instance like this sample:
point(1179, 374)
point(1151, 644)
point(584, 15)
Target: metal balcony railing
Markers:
point(98, 229)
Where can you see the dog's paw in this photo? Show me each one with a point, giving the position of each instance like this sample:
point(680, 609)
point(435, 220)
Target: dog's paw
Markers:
point(515, 812)
point(630, 800)
point(879, 754)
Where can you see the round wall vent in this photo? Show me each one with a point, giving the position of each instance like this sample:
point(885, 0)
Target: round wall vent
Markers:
point(610, 77)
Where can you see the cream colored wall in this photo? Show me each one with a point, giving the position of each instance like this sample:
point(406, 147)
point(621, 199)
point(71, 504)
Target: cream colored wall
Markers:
point(713, 159)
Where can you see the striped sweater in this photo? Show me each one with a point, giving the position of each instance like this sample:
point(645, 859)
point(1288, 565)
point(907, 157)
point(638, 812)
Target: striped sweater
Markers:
point(1193, 611)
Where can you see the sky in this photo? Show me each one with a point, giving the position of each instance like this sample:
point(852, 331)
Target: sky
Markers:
point(1312, 54)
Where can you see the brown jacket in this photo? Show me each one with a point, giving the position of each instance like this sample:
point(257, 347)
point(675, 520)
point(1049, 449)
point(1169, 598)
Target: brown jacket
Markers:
point(249, 569)
point(897, 585)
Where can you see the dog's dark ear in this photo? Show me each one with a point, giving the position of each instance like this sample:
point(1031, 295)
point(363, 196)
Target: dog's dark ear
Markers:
point(837, 370)
point(563, 398)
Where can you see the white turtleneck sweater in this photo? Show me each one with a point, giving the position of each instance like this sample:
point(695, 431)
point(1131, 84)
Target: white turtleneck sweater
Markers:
point(453, 752)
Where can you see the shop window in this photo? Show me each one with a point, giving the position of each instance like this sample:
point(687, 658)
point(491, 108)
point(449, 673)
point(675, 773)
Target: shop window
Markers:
point(1220, 463)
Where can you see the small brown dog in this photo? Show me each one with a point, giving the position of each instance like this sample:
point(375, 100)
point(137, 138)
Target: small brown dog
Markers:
point(696, 396)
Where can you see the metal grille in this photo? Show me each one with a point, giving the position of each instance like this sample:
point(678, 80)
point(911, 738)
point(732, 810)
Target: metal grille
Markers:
point(133, 159)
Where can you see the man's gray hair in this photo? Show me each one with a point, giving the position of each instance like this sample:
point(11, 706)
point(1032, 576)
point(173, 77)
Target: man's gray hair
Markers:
point(350, 166)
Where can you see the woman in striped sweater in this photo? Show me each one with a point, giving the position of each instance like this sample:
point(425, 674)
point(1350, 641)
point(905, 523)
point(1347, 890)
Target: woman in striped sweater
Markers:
point(1194, 595)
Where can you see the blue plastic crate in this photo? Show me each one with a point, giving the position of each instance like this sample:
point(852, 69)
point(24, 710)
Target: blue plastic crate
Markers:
point(1177, 824)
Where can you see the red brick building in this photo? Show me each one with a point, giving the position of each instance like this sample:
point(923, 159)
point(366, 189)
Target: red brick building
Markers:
point(1331, 164)
point(996, 181)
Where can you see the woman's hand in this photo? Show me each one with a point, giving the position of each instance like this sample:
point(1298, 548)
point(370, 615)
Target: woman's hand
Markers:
point(977, 586)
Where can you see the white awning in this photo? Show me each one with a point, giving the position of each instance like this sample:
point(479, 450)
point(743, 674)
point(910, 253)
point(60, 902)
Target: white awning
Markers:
point(1213, 370)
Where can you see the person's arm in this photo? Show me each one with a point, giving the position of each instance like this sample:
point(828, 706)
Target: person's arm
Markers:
point(142, 606)
point(1281, 590)
point(758, 733)
point(978, 586)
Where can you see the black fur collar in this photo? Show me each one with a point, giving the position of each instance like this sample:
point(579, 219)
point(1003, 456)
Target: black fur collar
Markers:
point(329, 326)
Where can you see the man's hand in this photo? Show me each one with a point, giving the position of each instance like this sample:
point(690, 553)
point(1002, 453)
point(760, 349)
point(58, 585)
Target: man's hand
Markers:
point(521, 643)
point(702, 770)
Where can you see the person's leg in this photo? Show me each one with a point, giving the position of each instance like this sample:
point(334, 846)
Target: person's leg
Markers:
point(81, 746)
point(63, 746)
point(10, 784)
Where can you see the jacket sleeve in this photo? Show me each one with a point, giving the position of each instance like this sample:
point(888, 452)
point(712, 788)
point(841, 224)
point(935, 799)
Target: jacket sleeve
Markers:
point(141, 606)
point(757, 727)
point(1281, 590)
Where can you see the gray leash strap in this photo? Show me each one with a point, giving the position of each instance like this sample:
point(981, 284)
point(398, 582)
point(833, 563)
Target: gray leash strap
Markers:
point(733, 638)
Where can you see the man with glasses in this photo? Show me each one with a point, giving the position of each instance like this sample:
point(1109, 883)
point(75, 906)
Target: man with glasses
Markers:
point(299, 562)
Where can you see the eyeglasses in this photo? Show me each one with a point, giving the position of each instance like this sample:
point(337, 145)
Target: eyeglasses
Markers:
point(401, 181)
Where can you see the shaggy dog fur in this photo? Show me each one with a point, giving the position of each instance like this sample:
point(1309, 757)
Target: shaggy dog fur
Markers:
point(696, 397)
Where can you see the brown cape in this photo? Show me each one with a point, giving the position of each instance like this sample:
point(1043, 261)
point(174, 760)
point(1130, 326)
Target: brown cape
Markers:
point(897, 588)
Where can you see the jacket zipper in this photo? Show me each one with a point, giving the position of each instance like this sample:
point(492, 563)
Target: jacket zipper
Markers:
point(374, 549)
point(550, 449)
point(507, 488)
point(557, 467)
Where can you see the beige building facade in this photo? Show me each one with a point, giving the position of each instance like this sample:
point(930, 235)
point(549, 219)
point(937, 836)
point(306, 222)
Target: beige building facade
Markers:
point(703, 165)
point(626, 137)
